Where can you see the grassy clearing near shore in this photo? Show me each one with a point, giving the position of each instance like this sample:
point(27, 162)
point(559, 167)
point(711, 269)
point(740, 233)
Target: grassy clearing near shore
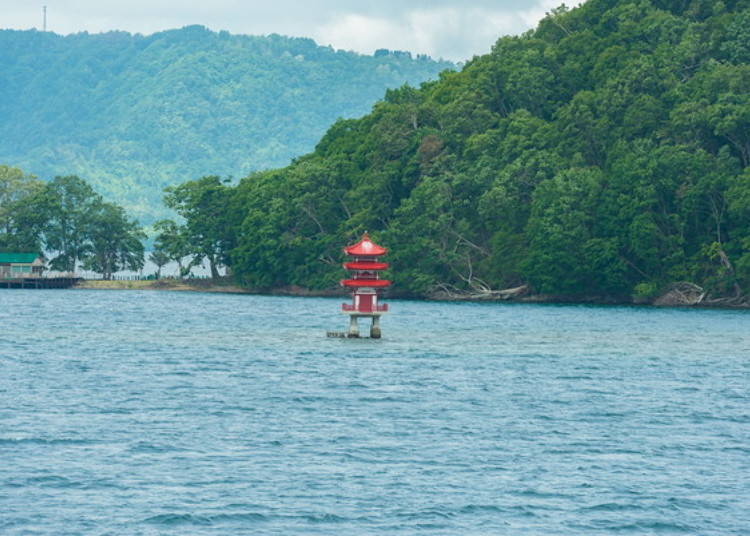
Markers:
point(199, 285)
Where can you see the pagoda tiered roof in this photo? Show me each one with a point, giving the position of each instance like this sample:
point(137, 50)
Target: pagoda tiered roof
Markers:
point(366, 265)
point(368, 283)
point(366, 269)
point(365, 248)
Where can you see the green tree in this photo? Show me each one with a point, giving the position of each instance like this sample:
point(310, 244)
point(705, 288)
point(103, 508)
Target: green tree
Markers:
point(71, 204)
point(204, 205)
point(172, 242)
point(116, 241)
point(21, 210)
point(565, 257)
point(160, 258)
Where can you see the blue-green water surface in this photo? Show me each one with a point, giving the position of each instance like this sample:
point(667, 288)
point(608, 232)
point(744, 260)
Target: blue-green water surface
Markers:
point(128, 412)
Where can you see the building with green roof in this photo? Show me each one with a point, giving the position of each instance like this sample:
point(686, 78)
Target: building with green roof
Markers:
point(15, 265)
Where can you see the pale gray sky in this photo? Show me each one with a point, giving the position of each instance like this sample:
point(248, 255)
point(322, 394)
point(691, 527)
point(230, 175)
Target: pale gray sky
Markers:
point(441, 28)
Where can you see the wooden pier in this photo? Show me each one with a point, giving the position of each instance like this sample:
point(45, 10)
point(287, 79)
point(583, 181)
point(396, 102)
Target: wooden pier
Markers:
point(39, 282)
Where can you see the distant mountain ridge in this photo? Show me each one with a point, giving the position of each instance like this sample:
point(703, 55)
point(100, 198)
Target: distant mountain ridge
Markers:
point(132, 113)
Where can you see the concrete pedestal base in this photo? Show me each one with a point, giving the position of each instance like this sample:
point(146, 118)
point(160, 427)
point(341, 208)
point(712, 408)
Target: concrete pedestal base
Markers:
point(353, 332)
point(375, 328)
point(353, 327)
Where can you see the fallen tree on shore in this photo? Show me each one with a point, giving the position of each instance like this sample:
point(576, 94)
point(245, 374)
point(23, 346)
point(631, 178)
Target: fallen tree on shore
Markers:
point(685, 293)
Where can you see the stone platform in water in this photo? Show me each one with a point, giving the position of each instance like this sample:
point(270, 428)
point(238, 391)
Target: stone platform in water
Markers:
point(346, 335)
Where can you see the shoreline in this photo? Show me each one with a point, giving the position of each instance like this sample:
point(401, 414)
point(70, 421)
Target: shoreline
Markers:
point(186, 285)
point(230, 287)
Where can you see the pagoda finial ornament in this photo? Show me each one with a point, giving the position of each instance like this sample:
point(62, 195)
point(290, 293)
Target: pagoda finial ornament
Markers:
point(366, 285)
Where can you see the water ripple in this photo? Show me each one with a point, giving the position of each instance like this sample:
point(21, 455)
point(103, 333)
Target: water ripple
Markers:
point(167, 413)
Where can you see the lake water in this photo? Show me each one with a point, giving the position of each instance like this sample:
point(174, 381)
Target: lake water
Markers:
point(165, 413)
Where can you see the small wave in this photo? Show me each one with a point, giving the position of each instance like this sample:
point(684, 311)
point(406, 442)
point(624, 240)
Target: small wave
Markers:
point(609, 414)
point(522, 510)
point(307, 399)
point(323, 518)
point(350, 457)
point(10, 522)
point(143, 447)
point(610, 507)
point(213, 482)
point(431, 526)
point(541, 494)
point(247, 516)
point(178, 519)
point(573, 378)
point(196, 519)
point(744, 450)
point(430, 512)
point(692, 504)
point(477, 508)
point(43, 441)
point(733, 393)
point(244, 506)
point(239, 408)
point(383, 399)
point(652, 526)
point(115, 411)
point(52, 481)
point(56, 481)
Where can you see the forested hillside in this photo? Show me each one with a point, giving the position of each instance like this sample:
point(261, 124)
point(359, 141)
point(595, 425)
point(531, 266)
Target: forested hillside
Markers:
point(604, 153)
point(133, 113)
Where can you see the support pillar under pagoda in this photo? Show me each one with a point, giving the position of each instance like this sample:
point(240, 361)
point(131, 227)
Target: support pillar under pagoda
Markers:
point(353, 327)
point(375, 328)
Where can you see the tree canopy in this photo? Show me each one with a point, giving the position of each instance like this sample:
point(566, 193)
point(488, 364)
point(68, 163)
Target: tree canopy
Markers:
point(68, 222)
point(605, 152)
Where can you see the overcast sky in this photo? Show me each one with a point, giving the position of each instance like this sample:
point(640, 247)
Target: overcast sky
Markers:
point(441, 28)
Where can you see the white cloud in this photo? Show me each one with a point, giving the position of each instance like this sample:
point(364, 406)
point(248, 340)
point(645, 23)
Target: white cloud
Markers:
point(452, 33)
point(451, 29)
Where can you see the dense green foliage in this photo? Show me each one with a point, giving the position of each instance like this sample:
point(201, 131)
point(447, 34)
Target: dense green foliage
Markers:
point(137, 113)
point(207, 231)
point(20, 221)
point(606, 152)
point(66, 220)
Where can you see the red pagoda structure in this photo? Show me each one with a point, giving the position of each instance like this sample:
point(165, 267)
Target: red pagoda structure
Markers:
point(366, 285)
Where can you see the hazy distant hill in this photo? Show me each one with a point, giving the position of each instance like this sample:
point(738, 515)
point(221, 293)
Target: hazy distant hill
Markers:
point(132, 114)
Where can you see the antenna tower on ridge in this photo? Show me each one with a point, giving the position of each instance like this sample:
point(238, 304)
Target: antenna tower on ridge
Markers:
point(44, 23)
